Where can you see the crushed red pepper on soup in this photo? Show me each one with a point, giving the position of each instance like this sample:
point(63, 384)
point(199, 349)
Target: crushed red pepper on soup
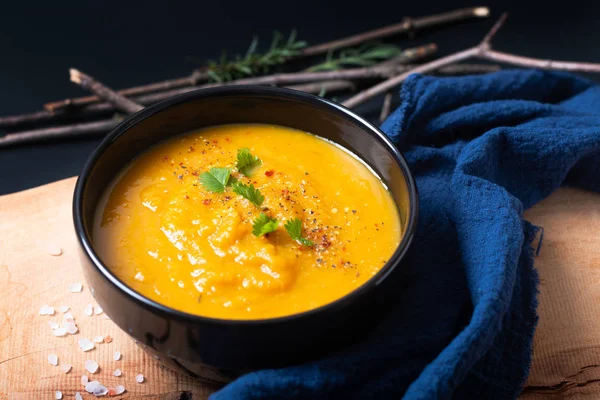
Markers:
point(246, 222)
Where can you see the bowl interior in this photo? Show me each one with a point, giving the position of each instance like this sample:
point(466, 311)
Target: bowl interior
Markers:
point(233, 105)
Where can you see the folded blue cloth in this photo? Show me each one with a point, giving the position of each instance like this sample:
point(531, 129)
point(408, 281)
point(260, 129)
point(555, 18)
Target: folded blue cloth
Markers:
point(482, 149)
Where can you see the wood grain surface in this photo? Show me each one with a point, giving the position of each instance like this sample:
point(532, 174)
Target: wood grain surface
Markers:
point(32, 223)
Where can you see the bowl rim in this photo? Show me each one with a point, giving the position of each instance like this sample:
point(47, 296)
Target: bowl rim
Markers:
point(258, 91)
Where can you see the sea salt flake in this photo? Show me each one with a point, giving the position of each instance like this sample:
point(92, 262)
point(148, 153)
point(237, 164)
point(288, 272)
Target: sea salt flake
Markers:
point(139, 378)
point(64, 309)
point(84, 380)
point(86, 344)
point(117, 372)
point(58, 395)
point(98, 310)
point(119, 390)
point(71, 328)
point(91, 366)
point(68, 316)
point(59, 332)
point(54, 251)
point(53, 359)
point(66, 368)
point(117, 355)
point(98, 339)
point(75, 287)
point(50, 310)
point(44, 309)
point(88, 310)
point(78, 396)
point(53, 325)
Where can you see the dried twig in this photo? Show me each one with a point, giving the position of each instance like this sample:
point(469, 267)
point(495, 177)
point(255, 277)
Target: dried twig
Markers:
point(118, 101)
point(376, 72)
point(387, 70)
point(482, 51)
point(325, 86)
point(36, 135)
point(101, 127)
point(407, 25)
point(387, 105)
point(202, 75)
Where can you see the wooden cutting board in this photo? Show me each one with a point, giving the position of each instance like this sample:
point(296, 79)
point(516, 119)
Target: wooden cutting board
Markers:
point(35, 222)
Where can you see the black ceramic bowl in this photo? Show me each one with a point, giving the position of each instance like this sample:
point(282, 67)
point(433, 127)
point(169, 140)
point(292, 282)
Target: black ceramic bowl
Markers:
point(218, 349)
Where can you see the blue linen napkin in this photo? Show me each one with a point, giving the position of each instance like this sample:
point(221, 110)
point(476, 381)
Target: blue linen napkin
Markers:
point(482, 149)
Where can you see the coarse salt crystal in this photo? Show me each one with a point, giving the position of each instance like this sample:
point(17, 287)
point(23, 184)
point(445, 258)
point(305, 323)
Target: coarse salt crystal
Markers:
point(84, 380)
point(75, 287)
point(91, 366)
point(88, 310)
point(117, 356)
point(139, 378)
point(50, 310)
point(66, 368)
point(71, 328)
point(59, 331)
point(117, 372)
point(98, 339)
point(119, 390)
point(44, 310)
point(53, 325)
point(58, 395)
point(53, 359)
point(64, 309)
point(86, 344)
point(98, 310)
point(95, 388)
point(54, 250)
point(68, 316)
point(78, 396)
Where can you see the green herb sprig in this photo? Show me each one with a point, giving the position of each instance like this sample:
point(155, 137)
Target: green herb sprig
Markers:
point(249, 192)
point(246, 162)
point(364, 56)
point(254, 63)
point(264, 224)
point(216, 179)
point(294, 229)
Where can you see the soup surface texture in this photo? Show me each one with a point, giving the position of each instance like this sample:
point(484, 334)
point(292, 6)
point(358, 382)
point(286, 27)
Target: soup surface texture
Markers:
point(167, 230)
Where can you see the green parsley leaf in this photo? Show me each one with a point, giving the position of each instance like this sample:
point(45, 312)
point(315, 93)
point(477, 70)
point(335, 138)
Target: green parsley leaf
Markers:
point(246, 162)
point(294, 229)
point(216, 179)
point(264, 224)
point(249, 192)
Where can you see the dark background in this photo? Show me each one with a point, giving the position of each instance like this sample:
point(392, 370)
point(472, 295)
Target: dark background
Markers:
point(129, 43)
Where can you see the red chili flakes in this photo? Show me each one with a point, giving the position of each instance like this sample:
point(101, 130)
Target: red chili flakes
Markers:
point(181, 163)
point(206, 202)
point(325, 242)
point(195, 173)
point(285, 192)
point(111, 392)
point(269, 172)
point(165, 158)
point(344, 248)
point(215, 141)
point(227, 139)
point(187, 197)
point(108, 339)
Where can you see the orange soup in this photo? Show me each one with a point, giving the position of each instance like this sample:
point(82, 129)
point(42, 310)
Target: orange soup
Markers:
point(246, 222)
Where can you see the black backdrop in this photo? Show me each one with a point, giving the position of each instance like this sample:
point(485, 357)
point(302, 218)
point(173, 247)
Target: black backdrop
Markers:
point(127, 43)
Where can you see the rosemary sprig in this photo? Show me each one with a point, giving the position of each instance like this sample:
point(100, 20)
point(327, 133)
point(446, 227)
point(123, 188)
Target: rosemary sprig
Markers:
point(364, 56)
point(253, 63)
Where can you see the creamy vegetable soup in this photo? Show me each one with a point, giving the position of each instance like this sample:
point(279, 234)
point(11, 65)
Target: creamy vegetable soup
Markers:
point(246, 222)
